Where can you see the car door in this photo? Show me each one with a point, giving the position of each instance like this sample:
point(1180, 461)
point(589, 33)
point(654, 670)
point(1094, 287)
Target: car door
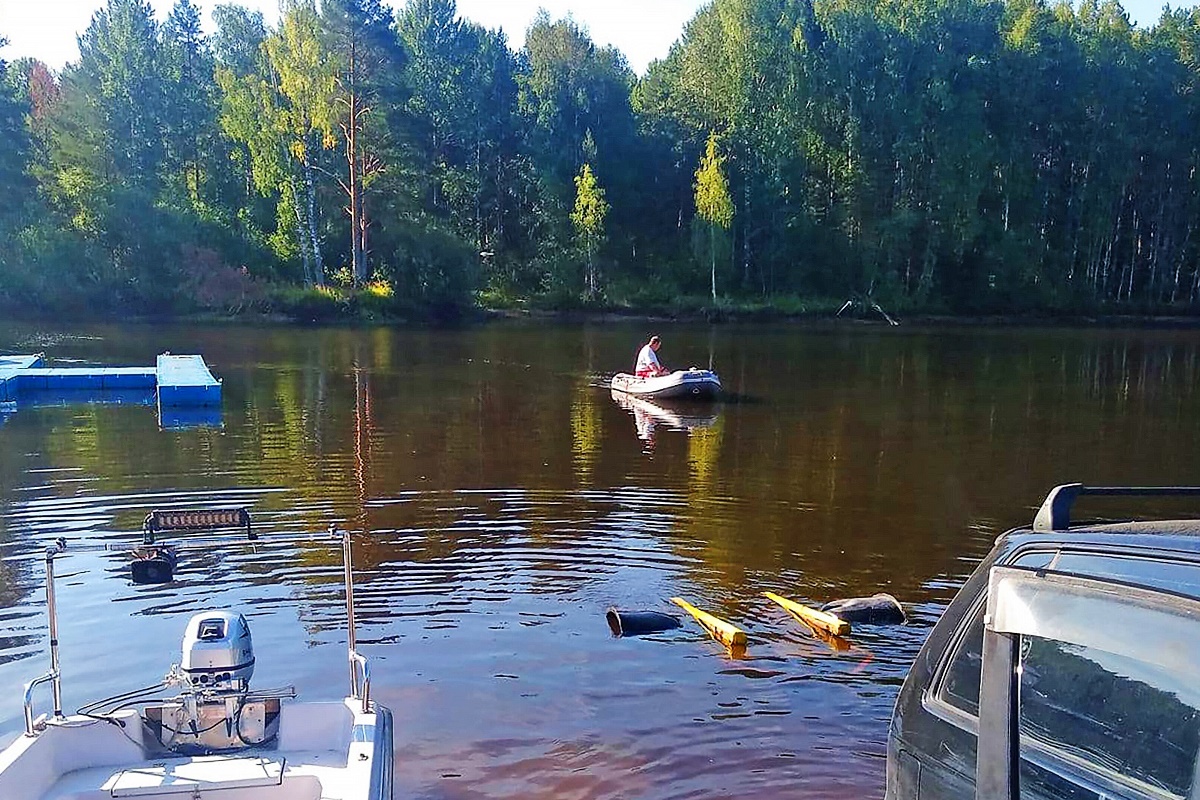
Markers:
point(943, 737)
point(1088, 688)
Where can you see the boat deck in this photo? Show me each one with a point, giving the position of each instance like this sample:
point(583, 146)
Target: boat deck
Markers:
point(286, 776)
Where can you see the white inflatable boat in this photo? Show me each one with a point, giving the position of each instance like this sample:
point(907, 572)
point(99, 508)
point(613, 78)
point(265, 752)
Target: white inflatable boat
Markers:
point(202, 733)
point(681, 384)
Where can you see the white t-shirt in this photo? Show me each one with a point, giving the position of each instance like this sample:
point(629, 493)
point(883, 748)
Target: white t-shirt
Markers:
point(646, 359)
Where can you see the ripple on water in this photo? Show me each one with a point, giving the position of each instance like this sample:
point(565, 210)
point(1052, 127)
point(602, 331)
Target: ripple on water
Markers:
point(485, 612)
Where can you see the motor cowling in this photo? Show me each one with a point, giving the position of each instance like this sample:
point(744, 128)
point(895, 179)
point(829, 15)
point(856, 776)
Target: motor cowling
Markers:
point(217, 651)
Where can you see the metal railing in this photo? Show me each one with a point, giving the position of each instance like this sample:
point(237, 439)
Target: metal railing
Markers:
point(360, 690)
point(360, 668)
point(54, 676)
point(28, 703)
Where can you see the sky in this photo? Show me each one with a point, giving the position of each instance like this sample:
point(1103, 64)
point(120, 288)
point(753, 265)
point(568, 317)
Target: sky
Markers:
point(642, 29)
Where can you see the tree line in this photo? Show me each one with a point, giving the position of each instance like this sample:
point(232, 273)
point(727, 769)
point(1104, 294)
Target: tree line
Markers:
point(945, 155)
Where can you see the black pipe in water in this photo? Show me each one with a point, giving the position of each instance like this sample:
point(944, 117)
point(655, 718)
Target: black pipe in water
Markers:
point(636, 623)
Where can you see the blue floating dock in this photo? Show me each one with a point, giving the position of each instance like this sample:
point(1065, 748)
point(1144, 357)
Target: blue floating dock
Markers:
point(185, 382)
point(10, 368)
point(178, 381)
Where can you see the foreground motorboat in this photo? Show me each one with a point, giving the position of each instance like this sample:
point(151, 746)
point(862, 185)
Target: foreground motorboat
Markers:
point(202, 733)
point(682, 383)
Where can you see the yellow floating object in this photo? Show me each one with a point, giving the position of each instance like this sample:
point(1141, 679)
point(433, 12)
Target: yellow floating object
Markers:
point(836, 643)
point(817, 620)
point(724, 632)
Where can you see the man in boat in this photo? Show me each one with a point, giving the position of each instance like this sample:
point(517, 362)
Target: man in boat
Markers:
point(648, 365)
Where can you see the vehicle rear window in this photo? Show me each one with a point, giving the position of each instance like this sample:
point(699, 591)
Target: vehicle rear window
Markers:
point(961, 685)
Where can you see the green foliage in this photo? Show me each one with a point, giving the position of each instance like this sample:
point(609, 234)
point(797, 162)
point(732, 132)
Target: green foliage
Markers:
point(713, 205)
point(189, 121)
point(434, 269)
point(36, 272)
point(461, 107)
point(967, 156)
point(367, 58)
point(712, 189)
point(588, 219)
point(15, 155)
point(309, 304)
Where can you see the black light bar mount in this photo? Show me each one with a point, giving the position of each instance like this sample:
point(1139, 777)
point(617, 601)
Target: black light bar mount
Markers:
point(198, 519)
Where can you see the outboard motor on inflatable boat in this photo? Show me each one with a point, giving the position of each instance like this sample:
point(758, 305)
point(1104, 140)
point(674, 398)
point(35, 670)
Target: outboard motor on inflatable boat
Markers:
point(217, 651)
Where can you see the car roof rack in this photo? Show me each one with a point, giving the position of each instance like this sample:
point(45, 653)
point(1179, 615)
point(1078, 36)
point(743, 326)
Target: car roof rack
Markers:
point(1055, 513)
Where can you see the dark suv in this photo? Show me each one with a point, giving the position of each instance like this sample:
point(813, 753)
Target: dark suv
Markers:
point(1067, 667)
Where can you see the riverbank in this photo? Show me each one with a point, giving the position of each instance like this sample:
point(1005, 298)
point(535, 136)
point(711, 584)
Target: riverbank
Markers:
point(821, 320)
point(369, 309)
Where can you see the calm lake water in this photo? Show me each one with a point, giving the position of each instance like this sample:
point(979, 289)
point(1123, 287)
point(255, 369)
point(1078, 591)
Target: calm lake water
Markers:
point(508, 501)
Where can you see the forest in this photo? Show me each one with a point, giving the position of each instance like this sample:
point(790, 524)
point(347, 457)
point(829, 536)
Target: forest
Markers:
point(355, 160)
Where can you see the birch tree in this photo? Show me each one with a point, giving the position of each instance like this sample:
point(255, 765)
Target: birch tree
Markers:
point(713, 204)
point(588, 219)
point(282, 110)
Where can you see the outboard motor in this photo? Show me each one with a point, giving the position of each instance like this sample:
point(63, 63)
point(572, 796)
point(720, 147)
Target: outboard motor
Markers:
point(217, 651)
point(216, 711)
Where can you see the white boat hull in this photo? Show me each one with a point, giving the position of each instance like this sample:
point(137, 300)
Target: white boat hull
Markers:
point(681, 384)
point(324, 751)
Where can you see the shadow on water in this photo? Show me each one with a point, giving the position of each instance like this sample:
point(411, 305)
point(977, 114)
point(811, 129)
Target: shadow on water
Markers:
point(736, 399)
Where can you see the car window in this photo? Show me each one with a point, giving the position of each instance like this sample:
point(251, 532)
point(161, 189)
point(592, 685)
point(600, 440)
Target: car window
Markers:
point(959, 686)
point(1114, 715)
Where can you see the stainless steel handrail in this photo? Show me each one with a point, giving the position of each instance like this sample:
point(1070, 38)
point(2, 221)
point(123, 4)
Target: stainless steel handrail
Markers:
point(59, 547)
point(28, 700)
point(358, 662)
point(54, 676)
point(361, 691)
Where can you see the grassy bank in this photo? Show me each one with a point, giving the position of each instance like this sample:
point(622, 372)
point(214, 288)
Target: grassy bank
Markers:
point(377, 304)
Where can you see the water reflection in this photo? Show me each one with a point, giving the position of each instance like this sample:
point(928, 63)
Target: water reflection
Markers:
point(183, 418)
point(650, 415)
point(507, 507)
point(169, 417)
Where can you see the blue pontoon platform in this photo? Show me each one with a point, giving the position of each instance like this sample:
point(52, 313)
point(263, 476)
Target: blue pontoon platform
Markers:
point(178, 381)
point(185, 382)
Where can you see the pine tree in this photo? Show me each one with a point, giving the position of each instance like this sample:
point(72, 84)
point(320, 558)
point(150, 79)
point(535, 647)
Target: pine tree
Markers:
point(190, 117)
point(368, 59)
